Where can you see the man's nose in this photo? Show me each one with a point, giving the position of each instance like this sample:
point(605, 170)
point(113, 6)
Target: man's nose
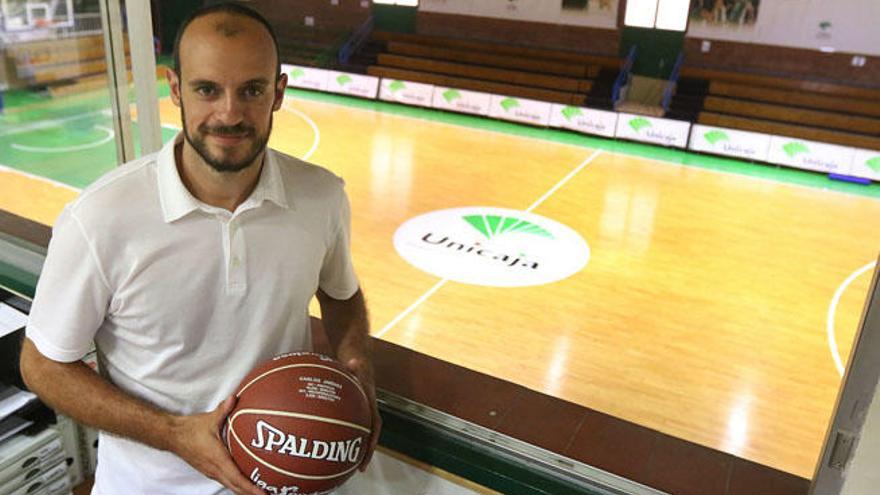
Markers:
point(229, 109)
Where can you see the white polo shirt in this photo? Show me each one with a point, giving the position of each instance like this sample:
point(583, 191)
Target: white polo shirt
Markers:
point(183, 299)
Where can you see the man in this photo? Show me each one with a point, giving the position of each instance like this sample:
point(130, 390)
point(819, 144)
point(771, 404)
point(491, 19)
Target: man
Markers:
point(190, 266)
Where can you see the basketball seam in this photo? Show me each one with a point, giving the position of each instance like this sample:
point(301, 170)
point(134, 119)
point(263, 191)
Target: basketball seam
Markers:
point(258, 378)
point(321, 419)
point(283, 471)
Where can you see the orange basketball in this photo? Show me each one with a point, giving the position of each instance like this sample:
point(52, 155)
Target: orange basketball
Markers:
point(301, 425)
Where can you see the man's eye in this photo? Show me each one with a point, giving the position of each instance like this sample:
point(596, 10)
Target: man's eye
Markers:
point(254, 91)
point(205, 90)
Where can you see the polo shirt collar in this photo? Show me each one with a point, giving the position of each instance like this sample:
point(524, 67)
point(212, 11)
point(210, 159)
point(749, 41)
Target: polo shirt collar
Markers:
point(177, 201)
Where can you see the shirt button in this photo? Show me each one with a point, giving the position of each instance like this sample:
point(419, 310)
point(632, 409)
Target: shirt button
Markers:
point(233, 228)
point(235, 262)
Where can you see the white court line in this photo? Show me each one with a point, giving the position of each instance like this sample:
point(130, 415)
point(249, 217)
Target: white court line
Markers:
point(442, 282)
point(4, 168)
point(64, 149)
point(832, 311)
point(314, 127)
point(587, 146)
point(48, 124)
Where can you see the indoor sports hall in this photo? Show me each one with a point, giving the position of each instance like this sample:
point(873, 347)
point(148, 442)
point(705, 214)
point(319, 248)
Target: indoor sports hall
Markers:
point(608, 246)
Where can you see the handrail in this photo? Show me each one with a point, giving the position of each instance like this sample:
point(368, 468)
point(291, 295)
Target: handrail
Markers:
point(623, 76)
point(356, 40)
point(672, 83)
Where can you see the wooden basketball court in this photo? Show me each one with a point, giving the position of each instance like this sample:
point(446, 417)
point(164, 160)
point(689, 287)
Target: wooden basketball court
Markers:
point(702, 312)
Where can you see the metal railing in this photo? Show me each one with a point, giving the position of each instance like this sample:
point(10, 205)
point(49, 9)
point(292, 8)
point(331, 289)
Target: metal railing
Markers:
point(623, 77)
point(672, 83)
point(357, 39)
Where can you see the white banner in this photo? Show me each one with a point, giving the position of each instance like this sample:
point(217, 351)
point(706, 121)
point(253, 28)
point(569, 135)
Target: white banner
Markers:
point(721, 141)
point(654, 130)
point(866, 164)
point(810, 155)
point(352, 84)
point(520, 110)
point(459, 100)
point(406, 92)
point(305, 77)
point(585, 120)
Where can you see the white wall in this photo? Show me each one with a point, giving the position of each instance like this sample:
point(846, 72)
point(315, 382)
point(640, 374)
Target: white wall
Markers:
point(854, 28)
point(863, 475)
point(599, 14)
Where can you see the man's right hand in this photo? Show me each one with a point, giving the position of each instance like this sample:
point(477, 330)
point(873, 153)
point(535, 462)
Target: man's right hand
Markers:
point(196, 439)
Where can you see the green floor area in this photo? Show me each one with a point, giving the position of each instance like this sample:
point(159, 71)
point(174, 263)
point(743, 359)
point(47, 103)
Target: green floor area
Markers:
point(59, 138)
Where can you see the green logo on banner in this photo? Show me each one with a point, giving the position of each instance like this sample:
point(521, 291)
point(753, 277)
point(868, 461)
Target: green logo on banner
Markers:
point(397, 86)
point(509, 103)
point(495, 225)
point(825, 25)
point(874, 164)
point(715, 136)
point(639, 123)
point(571, 112)
point(344, 79)
point(795, 148)
point(297, 72)
point(451, 95)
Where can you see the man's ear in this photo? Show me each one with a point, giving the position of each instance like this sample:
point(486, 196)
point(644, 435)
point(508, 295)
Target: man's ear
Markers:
point(280, 86)
point(174, 84)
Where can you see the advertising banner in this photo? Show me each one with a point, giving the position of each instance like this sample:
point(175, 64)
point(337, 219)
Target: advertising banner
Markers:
point(866, 164)
point(406, 92)
point(352, 84)
point(729, 142)
point(664, 132)
point(584, 120)
point(810, 155)
point(520, 110)
point(305, 77)
point(459, 100)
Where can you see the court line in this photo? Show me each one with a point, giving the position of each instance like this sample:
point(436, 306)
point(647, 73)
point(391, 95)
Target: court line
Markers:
point(534, 205)
point(607, 151)
point(46, 124)
point(4, 168)
point(314, 127)
point(64, 149)
point(832, 311)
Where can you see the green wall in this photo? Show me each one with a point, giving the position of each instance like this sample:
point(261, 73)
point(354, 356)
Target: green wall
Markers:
point(657, 50)
point(394, 18)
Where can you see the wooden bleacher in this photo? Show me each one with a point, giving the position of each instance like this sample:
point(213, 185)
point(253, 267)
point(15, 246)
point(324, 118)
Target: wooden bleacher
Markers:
point(522, 78)
point(62, 62)
point(498, 48)
point(822, 88)
point(799, 99)
point(494, 60)
point(786, 129)
point(477, 85)
point(540, 74)
point(794, 115)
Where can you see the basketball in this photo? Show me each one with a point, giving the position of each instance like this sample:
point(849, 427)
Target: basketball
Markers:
point(301, 425)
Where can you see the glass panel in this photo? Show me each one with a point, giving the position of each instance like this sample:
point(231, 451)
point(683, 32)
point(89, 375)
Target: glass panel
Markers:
point(56, 127)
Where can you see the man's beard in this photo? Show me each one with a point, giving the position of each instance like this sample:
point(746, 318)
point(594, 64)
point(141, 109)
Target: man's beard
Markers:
point(222, 164)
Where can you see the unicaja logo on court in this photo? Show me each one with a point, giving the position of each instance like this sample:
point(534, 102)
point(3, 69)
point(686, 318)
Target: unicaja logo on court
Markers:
point(491, 246)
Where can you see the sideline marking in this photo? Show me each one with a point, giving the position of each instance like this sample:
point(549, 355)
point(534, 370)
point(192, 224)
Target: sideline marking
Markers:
point(442, 282)
point(832, 310)
point(312, 124)
point(65, 149)
point(4, 168)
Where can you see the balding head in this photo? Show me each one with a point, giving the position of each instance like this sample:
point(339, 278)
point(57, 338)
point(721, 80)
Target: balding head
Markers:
point(228, 20)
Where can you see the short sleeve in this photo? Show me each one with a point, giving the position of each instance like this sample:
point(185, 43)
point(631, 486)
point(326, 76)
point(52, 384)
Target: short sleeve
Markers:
point(337, 278)
point(72, 294)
